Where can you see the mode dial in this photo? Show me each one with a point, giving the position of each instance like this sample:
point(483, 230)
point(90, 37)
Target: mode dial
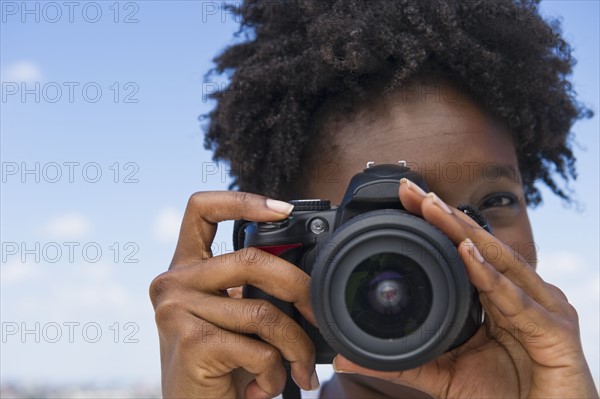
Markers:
point(310, 205)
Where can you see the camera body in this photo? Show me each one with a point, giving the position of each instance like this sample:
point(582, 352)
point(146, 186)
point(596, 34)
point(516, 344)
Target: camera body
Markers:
point(389, 290)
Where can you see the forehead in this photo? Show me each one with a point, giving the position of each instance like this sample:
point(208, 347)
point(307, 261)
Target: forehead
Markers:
point(433, 132)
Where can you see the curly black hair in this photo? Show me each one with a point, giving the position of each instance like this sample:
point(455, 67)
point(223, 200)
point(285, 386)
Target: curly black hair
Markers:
point(299, 56)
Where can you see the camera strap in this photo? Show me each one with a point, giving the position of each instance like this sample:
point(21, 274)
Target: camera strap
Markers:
point(291, 390)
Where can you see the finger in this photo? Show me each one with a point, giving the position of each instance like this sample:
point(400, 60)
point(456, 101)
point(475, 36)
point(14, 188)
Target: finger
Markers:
point(502, 257)
point(252, 266)
point(523, 314)
point(413, 197)
point(201, 358)
point(205, 209)
point(235, 292)
point(259, 317)
point(254, 391)
point(266, 364)
point(209, 352)
point(458, 226)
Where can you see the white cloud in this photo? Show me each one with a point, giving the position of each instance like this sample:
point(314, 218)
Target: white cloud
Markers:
point(15, 272)
point(97, 289)
point(78, 291)
point(166, 225)
point(22, 71)
point(69, 225)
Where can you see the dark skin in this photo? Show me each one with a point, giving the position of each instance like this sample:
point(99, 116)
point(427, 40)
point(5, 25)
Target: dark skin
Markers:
point(529, 346)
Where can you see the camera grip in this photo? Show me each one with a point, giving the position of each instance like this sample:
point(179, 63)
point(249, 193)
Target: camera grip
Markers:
point(324, 353)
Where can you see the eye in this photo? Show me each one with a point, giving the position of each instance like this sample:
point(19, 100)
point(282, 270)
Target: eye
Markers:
point(498, 200)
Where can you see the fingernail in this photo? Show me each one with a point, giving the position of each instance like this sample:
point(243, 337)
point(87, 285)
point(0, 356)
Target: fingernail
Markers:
point(437, 201)
point(413, 187)
point(279, 206)
point(473, 250)
point(337, 369)
point(314, 381)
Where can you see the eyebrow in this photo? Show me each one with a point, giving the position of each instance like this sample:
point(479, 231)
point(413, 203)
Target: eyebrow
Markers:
point(477, 171)
point(494, 171)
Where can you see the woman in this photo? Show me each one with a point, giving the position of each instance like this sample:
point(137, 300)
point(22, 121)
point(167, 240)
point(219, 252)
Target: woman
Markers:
point(319, 89)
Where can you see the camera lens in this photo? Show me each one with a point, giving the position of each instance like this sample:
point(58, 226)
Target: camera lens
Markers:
point(388, 295)
point(390, 291)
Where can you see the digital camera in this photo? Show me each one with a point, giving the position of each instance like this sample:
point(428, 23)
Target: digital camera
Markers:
point(389, 290)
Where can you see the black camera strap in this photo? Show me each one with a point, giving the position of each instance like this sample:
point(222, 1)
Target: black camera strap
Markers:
point(291, 390)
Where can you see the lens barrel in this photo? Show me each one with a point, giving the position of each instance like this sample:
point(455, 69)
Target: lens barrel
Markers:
point(390, 291)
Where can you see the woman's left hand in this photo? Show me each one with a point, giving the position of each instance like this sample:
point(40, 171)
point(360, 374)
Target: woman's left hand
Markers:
point(529, 345)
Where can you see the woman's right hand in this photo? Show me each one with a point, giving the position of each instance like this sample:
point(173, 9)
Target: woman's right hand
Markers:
point(205, 347)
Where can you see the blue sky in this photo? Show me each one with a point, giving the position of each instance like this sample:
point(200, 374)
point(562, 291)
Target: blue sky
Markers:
point(132, 116)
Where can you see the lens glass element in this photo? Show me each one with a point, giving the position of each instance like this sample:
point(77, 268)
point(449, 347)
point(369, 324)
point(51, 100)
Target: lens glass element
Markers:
point(388, 295)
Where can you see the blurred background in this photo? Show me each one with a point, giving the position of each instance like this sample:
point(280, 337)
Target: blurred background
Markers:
point(100, 149)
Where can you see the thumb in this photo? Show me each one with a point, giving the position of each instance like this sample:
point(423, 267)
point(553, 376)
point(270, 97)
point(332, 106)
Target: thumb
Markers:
point(429, 378)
